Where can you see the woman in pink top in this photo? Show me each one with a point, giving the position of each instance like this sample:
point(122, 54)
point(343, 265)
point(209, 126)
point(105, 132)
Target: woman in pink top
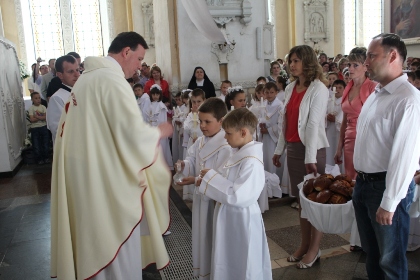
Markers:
point(354, 96)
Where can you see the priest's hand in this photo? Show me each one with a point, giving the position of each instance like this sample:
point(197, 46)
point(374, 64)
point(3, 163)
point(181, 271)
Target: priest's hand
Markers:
point(166, 130)
point(384, 217)
point(198, 182)
point(203, 172)
point(276, 160)
point(311, 168)
point(187, 181)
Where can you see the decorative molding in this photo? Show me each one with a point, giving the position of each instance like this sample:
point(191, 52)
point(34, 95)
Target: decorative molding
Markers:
point(268, 41)
point(223, 51)
point(412, 41)
point(67, 26)
point(316, 20)
point(21, 31)
point(224, 11)
point(11, 99)
point(149, 23)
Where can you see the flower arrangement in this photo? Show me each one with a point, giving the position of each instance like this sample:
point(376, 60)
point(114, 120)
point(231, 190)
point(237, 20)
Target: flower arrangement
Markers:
point(23, 70)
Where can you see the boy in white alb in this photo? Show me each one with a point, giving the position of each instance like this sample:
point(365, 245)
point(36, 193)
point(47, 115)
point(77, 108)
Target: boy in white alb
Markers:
point(224, 89)
point(240, 249)
point(270, 126)
point(209, 151)
point(192, 132)
point(143, 100)
point(333, 119)
point(177, 124)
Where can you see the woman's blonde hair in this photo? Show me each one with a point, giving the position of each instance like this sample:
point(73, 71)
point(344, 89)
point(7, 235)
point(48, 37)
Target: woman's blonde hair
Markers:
point(311, 68)
point(357, 54)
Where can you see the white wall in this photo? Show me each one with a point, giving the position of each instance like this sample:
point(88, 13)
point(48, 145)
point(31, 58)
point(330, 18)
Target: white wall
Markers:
point(195, 49)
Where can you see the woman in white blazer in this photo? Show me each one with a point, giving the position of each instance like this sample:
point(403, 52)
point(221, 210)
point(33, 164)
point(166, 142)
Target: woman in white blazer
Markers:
point(304, 137)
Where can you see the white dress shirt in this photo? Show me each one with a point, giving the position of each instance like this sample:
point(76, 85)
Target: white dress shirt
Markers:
point(388, 138)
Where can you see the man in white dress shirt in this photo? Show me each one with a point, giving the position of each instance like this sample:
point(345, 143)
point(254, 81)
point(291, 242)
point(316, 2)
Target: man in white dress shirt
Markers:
point(67, 69)
point(386, 155)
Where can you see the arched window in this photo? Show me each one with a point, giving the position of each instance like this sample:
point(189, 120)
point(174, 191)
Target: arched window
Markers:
point(55, 27)
point(362, 21)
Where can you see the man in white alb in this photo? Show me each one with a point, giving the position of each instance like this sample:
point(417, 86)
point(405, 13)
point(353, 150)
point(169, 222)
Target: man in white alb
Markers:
point(386, 155)
point(108, 175)
point(67, 69)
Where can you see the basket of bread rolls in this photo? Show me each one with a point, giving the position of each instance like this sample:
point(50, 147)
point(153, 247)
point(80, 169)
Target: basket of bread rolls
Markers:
point(326, 202)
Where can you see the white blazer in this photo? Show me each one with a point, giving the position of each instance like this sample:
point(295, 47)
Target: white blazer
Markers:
point(311, 123)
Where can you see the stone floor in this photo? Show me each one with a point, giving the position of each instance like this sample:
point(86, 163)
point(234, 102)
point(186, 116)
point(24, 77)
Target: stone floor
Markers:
point(25, 235)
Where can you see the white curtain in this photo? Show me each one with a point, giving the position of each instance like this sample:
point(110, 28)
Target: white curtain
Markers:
point(200, 15)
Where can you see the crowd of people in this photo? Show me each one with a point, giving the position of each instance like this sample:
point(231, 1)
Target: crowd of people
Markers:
point(234, 152)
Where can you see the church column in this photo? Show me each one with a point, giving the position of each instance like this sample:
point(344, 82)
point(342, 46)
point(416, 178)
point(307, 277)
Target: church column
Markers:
point(166, 44)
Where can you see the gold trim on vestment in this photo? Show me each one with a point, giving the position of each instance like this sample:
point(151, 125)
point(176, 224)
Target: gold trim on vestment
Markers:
point(243, 159)
point(209, 182)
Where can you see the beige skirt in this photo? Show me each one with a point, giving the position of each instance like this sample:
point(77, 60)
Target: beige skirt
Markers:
point(296, 164)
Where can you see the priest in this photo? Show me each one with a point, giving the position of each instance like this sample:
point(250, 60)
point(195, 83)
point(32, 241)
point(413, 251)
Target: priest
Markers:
point(110, 182)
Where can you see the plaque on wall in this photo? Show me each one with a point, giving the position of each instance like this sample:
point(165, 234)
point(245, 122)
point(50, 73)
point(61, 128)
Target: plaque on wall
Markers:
point(316, 25)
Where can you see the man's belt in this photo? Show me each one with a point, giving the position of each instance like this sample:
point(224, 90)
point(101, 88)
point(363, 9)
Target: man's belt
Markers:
point(371, 177)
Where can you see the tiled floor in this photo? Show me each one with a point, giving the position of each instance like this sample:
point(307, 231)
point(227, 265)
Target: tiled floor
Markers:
point(25, 235)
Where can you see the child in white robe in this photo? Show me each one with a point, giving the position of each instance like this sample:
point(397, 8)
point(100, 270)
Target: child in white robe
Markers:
point(223, 89)
point(177, 124)
point(185, 109)
point(240, 249)
point(156, 113)
point(192, 132)
point(333, 120)
point(281, 83)
point(143, 99)
point(257, 107)
point(270, 125)
point(209, 151)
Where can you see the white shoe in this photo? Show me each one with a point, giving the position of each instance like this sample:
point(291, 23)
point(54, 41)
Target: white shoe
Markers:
point(167, 233)
point(294, 205)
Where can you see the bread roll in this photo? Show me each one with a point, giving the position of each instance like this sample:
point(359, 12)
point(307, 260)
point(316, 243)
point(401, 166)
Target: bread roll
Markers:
point(344, 177)
point(337, 199)
point(329, 176)
point(323, 196)
point(341, 187)
point(312, 196)
point(322, 182)
point(308, 186)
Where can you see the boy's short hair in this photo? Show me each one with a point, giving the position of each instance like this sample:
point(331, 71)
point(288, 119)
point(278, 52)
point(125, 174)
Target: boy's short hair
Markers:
point(138, 86)
point(130, 80)
point(333, 73)
point(260, 78)
point(227, 82)
point(214, 106)
point(339, 82)
point(198, 92)
point(271, 85)
point(34, 93)
point(240, 118)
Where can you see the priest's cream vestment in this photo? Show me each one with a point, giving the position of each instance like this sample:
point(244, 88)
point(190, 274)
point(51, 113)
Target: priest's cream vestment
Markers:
point(108, 176)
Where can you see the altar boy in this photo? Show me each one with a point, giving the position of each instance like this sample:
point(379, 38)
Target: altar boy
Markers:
point(240, 249)
point(209, 151)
